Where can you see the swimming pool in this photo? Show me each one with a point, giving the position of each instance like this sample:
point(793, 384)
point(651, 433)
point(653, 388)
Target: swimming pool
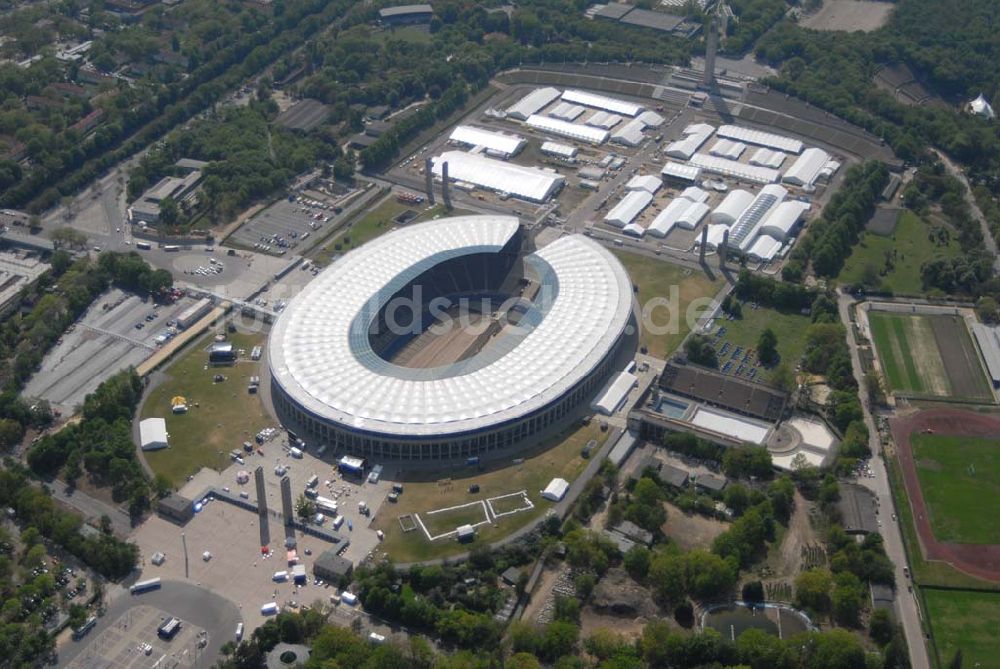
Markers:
point(671, 408)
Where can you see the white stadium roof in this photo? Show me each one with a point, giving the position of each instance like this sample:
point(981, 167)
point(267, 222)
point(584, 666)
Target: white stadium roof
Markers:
point(733, 168)
point(732, 206)
point(768, 158)
point(528, 183)
point(496, 142)
point(603, 119)
point(321, 355)
point(584, 133)
point(557, 149)
point(532, 102)
point(602, 102)
point(647, 182)
point(783, 219)
point(760, 138)
point(566, 111)
point(806, 167)
point(628, 208)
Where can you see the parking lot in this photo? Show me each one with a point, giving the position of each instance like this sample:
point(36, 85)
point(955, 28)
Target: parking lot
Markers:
point(236, 568)
point(131, 642)
point(107, 339)
point(284, 226)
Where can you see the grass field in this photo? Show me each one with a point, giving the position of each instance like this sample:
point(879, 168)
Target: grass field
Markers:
point(967, 621)
point(221, 416)
point(960, 479)
point(930, 355)
point(446, 521)
point(658, 279)
point(377, 221)
point(790, 329)
point(557, 457)
point(912, 245)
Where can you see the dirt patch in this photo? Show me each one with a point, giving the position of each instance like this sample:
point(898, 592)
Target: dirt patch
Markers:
point(798, 537)
point(591, 621)
point(541, 594)
point(849, 15)
point(981, 561)
point(691, 530)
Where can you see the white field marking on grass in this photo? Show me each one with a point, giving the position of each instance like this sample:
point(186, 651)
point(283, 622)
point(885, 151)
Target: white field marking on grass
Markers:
point(427, 534)
point(524, 496)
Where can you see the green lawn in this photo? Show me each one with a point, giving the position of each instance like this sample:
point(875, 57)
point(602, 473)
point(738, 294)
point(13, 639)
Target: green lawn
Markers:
point(895, 336)
point(960, 479)
point(790, 329)
point(673, 288)
point(965, 620)
point(221, 416)
point(447, 521)
point(426, 491)
point(377, 221)
point(909, 247)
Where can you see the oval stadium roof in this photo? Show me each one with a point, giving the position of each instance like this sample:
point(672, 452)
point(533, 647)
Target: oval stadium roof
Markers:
point(321, 356)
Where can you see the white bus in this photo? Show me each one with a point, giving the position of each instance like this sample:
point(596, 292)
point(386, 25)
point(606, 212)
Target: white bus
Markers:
point(145, 586)
point(171, 247)
point(144, 246)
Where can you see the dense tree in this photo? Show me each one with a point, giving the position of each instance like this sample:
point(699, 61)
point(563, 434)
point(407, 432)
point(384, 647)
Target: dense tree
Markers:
point(699, 350)
point(767, 347)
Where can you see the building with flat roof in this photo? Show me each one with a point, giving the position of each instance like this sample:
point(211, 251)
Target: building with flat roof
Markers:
point(332, 567)
point(406, 14)
point(988, 339)
point(857, 509)
point(175, 507)
point(147, 207)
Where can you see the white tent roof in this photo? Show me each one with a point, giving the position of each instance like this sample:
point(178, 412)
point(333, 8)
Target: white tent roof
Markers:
point(628, 208)
point(746, 226)
point(981, 107)
point(630, 134)
point(321, 356)
point(686, 147)
point(692, 215)
point(768, 158)
point(526, 182)
point(494, 141)
point(806, 167)
point(647, 182)
point(555, 490)
point(678, 171)
point(783, 218)
point(556, 126)
point(566, 111)
point(634, 230)
point(602, 102)
point(732, 206)
point(557, 149)
point(152, 434)
point(733, 168)
point(760, 138)
point(695, 194)
point(532, 102)
point(667, 219)
point(699, 129)
point(603, 119)
point(613, 394)
point(651, 119)
point(715, 234)
point(727, 148)
point(764, 247)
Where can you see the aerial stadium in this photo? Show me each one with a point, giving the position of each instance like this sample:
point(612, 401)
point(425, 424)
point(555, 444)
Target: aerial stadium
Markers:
point(450, 339)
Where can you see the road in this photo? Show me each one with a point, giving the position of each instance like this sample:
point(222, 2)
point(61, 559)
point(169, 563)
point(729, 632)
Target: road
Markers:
point(91, 507)
point(906, 609)
point(955, 171)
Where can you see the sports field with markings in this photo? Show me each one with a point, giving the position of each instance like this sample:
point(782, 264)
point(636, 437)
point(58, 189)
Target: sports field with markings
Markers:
point(928, 355)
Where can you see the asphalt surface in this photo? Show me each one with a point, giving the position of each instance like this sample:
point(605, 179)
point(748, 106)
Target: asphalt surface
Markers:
point(92, 508)
point(192, 604)
point(906, 607)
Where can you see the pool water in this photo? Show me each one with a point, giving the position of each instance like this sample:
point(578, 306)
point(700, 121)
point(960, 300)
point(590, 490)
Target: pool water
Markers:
point(731, 621)
point(671, 408)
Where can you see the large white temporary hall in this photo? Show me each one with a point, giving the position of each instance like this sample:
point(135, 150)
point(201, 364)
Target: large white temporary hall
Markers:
point(666, 220)
point(716, 232)
point(628, 208)
point(732, 206)
point(735, 169)
point(782, 220)
point(613, 395)
point(614, 105)
point(764, 248)
point(559, 150)
point(528, 183)
point(533, 102)
point(677, 172)
point(686, 147)
point(603, 119)
point(727, 148)
point(746, 226)
point(583, 133)
point(629, 134)
point(760, 138)
point(495, 143)
point(692, 215)
point(806, 167)
point(695, 194)
point(634, 230)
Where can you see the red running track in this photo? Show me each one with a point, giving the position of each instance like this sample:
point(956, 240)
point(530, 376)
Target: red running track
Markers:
point(982, 561)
